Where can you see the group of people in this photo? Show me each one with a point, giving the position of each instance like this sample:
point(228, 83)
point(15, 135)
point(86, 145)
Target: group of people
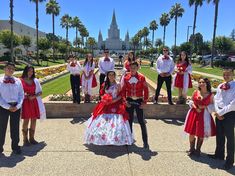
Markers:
point(112, 118)
point(20, 98)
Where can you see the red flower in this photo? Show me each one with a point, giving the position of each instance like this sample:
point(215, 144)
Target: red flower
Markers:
point(107, 98)
point(103, 136)
point(112, 125)
point(116, 138)
point(98, 125)
point(225, 86)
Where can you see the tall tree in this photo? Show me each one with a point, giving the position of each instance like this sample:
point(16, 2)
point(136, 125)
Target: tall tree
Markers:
point(37, 21)
point(164, 21)
point(66, 23)
point(145, 32)
point(53, 8)
point(76, 24)
point(91, 43)
point(176, 12)
point(153, 26)
point(196, 4)
point(135, 42)
point(216, 4)
point(11, 22)
point(158, 42)
point(232, 35)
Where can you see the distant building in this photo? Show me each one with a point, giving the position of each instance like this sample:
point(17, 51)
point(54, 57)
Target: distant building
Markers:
point(21, 30)
point(113, 42)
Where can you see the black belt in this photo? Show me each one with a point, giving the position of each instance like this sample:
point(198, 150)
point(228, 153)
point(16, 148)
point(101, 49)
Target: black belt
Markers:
point(13, 103)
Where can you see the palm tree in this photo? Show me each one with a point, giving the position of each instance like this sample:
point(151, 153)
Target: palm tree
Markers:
point(91, 43)
point(196, 3)
point(140, 35)
point(66, 23)
point(135, 42)
point(37, 20)
point(76, 24)
point(216, 3)
point(53, 8)
point(11, 22)
point(84, 33)
point(176, 12)
point(145, 32)
point(153, 26)
point(158, 42)
point(164, 21)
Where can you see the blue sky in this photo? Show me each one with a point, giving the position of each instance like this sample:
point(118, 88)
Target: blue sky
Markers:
point(131, 15)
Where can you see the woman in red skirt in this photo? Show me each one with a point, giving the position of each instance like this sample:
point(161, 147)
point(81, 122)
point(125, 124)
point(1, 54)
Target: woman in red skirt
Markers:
point(32, 108)
point(199, 121)
point(183, 77)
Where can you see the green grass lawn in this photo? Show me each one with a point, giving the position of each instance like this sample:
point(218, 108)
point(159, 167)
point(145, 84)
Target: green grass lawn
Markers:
point(214, 71)
point(152, 75)
point(58, 86)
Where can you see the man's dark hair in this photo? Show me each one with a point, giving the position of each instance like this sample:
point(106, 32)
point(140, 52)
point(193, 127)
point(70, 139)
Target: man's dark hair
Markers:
point(134, 63)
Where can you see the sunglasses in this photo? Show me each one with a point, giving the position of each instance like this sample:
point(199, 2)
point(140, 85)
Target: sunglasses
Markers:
point(165, 50)
point(106, 52)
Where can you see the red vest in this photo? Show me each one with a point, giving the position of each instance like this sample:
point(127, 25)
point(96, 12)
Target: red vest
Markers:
point(139, 89)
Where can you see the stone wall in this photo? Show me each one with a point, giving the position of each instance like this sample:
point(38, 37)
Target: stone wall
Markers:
point(58, 109)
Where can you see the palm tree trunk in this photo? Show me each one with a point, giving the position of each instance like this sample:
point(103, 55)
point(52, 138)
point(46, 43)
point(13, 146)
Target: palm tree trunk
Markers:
point(67, 42)
point(214, 33)
point(11, 22)
point(37, 20)
point(176, 19)
point(164, 35)
point(153, 39)
point(194, 28)
point(76, 37)
point(53, 40)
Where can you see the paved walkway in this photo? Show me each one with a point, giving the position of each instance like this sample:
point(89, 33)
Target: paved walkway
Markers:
point(61, 152)
point(209, 75)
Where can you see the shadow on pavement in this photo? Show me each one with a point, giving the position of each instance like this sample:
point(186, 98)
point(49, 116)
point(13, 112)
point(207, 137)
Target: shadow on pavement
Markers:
point(214, 164)
point(78, 120)
point(10, 161)
point(144, 153)
point(178, 122)
point(109, 151)
point(32, 150)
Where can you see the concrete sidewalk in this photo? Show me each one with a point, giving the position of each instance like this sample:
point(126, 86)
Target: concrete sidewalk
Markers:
point(61, 152)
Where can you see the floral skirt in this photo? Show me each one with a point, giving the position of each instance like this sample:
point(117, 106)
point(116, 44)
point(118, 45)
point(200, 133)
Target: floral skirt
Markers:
point(108, 129)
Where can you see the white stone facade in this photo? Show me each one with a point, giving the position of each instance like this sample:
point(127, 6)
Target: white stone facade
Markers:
point(21, 30)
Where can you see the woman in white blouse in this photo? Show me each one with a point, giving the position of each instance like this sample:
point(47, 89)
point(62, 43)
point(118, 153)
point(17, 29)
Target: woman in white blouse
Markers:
point(88, 77)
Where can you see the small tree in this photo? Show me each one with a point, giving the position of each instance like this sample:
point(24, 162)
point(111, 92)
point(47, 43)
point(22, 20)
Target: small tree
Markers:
point(5, 39)
point(186, 47)
point(223, 44)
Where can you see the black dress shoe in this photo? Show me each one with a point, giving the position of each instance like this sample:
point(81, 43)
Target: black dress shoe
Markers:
point(155, 102)
point(171, 103)
point(213, 156)
point(17, 151)
point(227, 166)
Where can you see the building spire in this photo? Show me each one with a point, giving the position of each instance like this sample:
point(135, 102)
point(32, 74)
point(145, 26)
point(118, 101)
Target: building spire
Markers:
point(114, 22)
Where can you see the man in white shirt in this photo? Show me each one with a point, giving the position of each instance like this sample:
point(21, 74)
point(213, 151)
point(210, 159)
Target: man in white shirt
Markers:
point(225, 119)
point(11, 99)
point(75, 69)
point(105, 64)
point(165, 67)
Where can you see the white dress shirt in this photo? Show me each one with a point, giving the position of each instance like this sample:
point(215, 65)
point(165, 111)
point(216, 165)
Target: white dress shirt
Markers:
point(225, 99)
point(10, 93)
point(74, 70)
point(165, 65)
point(105, 66)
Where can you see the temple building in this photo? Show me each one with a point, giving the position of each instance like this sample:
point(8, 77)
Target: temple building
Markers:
point(114, 42)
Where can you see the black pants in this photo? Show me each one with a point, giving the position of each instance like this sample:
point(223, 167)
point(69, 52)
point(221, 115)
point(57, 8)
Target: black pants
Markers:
point(75, 86)
point(160, 81)
point(225, 129)
point(140, 116)
point(14, 128)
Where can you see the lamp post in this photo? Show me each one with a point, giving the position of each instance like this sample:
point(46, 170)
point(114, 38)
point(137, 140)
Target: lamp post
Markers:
point(188, 32)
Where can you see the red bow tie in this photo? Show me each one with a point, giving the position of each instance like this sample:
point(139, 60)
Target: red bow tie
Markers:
point(165, 58)
point(107, 59)
point(72, 65)
point(225, 86)
point(9, 81)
